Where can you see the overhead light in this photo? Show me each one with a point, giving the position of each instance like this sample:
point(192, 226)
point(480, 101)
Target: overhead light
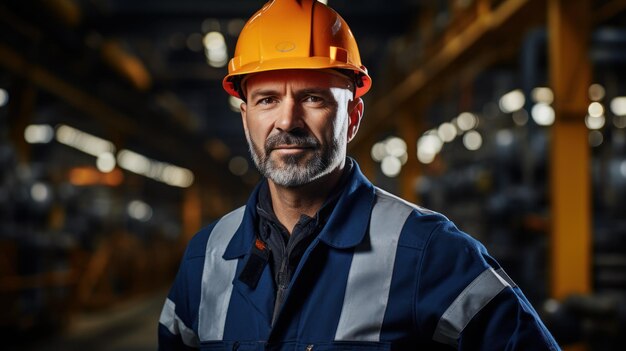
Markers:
point(215, 49)
point(404, 158)
point(447, 132)
point(134, 162)
point(174, 175)
point(504, 137)
point(595, 122)
point(392, 153)
point(4, 97)
point(466, 121)
point(139, 210)
point(543, 114)
point(325, 2)
point(618, 106)
point(425, 157)
point(542, 94)
point(40, 192)
point(512, 101)
point(395, 147)
point(430, 143)
point(551, 306)
point(85, 142)
point(105, 162)
point(38, 134)
point(234, 103)
point(378, 151)
point(596, 92)
point(391, 166)
point(160, 171)
point(595, 109)
point(472, 140)
point(428, 146)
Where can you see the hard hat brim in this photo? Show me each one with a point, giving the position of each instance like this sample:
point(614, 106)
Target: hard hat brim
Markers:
point(230, 85)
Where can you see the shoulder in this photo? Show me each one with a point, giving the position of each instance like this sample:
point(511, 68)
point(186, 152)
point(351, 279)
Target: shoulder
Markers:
point(420, 225)
point(197, 245)
point(394, 203)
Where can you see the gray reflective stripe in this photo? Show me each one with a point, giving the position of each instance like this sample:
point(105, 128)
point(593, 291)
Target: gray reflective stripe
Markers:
point(217, 278)
point(176, 326)
point(369, 279)
point(503, 275)
point(469, 302)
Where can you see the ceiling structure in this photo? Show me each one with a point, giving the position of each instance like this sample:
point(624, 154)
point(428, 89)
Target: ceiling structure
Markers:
point(136, 71)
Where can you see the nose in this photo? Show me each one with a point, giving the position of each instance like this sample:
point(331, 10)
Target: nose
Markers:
point(290, 116)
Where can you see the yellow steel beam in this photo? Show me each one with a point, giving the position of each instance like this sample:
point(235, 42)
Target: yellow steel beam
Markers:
point(67, 11)
point(24, 97)
point(118, 122)
point(126, 65)
point(569, 24)
point(489, 21)
point(82, 101)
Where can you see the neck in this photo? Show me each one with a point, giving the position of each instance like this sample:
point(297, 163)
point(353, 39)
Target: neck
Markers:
point(289, 203)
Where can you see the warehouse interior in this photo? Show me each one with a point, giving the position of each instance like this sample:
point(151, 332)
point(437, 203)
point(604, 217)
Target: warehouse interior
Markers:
point(117, 143)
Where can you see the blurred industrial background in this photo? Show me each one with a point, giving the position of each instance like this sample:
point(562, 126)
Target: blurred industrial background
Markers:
point(117, 143)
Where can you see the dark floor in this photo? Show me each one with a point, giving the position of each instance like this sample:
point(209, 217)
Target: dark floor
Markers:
point(130, 326)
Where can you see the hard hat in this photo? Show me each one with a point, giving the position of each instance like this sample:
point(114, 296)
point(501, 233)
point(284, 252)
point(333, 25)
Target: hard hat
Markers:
point(295, 34)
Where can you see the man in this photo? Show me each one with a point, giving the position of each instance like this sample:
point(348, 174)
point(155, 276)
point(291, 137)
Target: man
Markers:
point(319, 258)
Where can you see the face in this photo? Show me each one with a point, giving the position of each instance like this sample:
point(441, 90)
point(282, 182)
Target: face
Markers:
point(298, 123)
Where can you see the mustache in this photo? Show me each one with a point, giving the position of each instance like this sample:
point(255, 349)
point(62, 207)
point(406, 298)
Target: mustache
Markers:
point(301, 139)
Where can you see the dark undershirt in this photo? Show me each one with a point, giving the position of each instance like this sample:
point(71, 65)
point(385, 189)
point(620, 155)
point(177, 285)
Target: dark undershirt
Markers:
point(287, 250)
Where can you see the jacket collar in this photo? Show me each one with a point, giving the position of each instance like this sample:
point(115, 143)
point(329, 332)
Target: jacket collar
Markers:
point(244, 237)
point(350, 219)
point(345, 228)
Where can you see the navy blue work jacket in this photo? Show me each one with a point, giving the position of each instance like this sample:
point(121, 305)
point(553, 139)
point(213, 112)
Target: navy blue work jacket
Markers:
point(383, 274)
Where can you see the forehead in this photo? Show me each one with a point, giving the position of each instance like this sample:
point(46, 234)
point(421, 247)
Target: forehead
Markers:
point(297, 78)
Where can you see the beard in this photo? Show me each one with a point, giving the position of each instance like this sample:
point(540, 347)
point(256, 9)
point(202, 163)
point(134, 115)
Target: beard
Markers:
point(297, 169)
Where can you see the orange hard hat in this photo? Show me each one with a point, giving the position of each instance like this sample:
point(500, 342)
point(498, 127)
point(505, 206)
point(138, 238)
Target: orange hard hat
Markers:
point(295, 34)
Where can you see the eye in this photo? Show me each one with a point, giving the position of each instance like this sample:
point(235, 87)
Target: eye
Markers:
point(266, 101)
point(313, 98)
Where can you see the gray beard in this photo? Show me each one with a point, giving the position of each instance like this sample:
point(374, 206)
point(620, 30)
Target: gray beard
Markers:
point(296, 170)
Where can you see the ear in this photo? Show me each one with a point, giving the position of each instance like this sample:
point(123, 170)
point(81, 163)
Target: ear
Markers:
point(355, 108)
point(244, 112)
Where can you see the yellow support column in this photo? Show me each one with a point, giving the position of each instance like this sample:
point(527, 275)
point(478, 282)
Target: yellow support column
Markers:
point(569, 23)
point(411, 170)
point(362, 154)
point(191, 213)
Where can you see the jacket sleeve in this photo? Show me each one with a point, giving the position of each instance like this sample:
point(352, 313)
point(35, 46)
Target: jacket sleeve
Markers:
point(178, 320)
point(466, 301)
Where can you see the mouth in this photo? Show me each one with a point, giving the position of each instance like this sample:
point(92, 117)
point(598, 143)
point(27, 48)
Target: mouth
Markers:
point(293, 147)
point(287, 150)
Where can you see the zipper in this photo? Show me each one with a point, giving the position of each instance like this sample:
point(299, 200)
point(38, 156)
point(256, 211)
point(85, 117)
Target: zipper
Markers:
point(283, 284)
point(285, 274)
